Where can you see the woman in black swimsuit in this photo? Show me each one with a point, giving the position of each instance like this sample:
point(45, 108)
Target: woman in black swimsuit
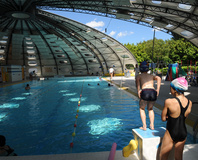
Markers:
point(175, 112)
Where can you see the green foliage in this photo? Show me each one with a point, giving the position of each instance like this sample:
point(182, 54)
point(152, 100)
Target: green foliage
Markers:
point(163, 71)
point(168, 51)
point(129, 66)
point(188, 68)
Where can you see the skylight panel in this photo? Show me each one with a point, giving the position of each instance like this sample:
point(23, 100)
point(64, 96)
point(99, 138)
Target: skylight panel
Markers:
point(184, 6)
point(169, 26)
point(187, 34)
point(156, 2)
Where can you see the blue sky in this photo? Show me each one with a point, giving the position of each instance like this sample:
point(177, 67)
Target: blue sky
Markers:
point(122, 31)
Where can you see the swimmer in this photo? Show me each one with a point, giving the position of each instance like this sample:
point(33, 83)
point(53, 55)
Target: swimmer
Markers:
point(175, 111)
point(27, 87)
point(98, 84)
point(89, 84)
point(147, 93)
point(5, 150)
point(110, 85)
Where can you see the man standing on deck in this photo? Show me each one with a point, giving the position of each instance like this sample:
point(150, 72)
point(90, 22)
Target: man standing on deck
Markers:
point(147, 93)
point(111, 72)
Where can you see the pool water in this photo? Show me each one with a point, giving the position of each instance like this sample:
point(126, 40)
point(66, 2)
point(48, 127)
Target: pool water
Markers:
point(41, 121)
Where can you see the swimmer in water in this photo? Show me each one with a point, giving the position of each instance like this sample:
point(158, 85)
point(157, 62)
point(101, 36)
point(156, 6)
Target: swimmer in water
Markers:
point(27, 87)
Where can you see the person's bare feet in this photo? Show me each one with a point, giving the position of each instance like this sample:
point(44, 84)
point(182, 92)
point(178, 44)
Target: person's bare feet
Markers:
point(143, 128)
point(152, 127)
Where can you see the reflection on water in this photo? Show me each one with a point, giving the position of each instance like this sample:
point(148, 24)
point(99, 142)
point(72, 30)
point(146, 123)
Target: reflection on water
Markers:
point(19, 98)
point(2, 116)
point(69, 94)
point(89, 108)
point(78, 80)
point(9, 105)
point(104, 126)
point(77, 99)
point(63, 91)
point(27, 94)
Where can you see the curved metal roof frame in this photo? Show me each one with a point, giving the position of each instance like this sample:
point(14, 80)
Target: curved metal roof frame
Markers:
point(178, 16)
point(55, 45)
point(32, 37)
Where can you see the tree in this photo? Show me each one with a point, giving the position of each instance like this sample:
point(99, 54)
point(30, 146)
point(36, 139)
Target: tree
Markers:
point(168, 51)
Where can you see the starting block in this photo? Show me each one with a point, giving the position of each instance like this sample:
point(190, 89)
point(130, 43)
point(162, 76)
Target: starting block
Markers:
point(149, 143)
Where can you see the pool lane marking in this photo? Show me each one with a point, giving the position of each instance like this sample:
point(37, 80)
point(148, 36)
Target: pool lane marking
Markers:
point(75, 124)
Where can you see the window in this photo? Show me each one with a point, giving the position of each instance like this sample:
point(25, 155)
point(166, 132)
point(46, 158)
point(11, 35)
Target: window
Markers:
point(124, 56)
point(3, 42)
point(58, 50)
point(31, 51)
point(5, 37)
point(187, 34)
point(32, 63)
point(88, 55)
point(29, 47)
point(169, 26)
point(184, 6)
point(2, 51)
point(64, 61)
point(61, 55)
point(83, 49)
point(29, 43)
point(156, 2)
point(2, 57)
point(28, 38)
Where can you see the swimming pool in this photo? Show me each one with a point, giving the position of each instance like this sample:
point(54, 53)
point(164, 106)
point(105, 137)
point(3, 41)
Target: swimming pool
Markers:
point(41, 121)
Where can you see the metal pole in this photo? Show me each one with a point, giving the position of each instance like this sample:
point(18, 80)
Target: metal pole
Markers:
point(153, 51)
point(122, 73)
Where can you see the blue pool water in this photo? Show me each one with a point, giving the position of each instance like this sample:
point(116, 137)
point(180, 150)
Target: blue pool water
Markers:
point(41, 121)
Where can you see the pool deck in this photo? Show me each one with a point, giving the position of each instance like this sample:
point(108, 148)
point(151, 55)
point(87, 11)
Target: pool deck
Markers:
point(189, 153)
point(128, 84)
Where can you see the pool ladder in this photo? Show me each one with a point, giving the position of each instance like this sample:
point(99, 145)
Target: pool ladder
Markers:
point(195, 127)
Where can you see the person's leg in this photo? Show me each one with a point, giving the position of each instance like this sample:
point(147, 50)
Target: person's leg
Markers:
point(143, 104)
point(179, 147)
point(166, 147)
point(151, 114)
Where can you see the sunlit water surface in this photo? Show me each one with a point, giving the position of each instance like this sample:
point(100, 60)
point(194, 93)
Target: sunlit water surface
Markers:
point(41, 121)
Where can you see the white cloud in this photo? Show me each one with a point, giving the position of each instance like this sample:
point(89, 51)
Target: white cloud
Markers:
point(95, 24)
point(112, 33)
point(125, 33)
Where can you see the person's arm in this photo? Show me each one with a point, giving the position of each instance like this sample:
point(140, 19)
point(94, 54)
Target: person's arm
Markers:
point(165, 110)
point(189, 109)
point(158, 79)
point(138, 85)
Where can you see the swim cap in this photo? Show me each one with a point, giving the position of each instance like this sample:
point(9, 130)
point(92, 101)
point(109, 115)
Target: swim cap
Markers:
point(144, 67)
point(179, 84)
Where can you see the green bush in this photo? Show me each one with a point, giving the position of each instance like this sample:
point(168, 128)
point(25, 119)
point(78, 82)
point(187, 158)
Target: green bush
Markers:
point(185, 68)
point(162, 71)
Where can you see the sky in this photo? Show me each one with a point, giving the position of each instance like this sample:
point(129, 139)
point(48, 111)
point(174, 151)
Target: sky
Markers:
point(122, 31)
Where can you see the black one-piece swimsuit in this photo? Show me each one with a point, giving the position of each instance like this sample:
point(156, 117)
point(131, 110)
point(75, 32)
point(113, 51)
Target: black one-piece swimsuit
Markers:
point(176, 126)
